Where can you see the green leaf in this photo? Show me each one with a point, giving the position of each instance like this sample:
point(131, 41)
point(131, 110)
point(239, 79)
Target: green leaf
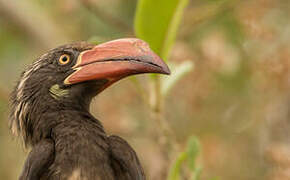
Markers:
point(174, 172)
point(177, 72)
point(189, 156)
point(193, 150)
point(196, 173)
point(157, 22)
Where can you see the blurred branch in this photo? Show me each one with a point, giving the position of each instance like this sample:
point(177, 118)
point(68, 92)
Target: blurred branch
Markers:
point(107, 18)
point(32, 20)
point(141, 90)
point(166, 136)
point(198, 15)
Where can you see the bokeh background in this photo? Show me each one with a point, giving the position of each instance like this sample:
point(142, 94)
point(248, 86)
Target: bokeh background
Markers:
point(236, 100)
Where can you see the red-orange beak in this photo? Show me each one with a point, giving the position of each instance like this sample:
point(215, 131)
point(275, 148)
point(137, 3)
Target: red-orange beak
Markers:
point(116, 59)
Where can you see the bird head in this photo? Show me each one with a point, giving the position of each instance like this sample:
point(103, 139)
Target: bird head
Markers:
point(71, 75)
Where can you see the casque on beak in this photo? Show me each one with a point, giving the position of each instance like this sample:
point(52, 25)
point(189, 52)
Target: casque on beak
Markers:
point(115, 60)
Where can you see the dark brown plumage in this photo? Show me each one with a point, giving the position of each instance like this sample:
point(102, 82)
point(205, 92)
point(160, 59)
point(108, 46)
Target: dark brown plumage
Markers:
point(50, 111)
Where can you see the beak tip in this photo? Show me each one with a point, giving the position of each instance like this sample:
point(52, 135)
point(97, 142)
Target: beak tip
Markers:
point(164, 67)
point(166, 70)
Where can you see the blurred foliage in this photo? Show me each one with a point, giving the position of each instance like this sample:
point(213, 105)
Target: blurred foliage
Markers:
point(165, 23)
point(189, 156)
point(236, 101)
point(177, 72)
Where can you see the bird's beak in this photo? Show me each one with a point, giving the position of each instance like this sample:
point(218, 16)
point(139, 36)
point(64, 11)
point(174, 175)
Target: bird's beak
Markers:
point(116, 59)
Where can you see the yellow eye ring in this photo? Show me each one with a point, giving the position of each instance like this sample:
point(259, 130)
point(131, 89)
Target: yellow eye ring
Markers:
point(64, 59)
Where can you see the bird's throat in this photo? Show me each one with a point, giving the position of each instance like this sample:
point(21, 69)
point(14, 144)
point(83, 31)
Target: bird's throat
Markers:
point(56, 92)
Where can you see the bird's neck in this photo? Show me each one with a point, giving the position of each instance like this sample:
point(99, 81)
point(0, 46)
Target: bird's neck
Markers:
point(44, 113)
point(57, 119)
point(38, 112)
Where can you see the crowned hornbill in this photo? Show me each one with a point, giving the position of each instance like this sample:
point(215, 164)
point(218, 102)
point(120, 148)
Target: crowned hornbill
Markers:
point(50, 111)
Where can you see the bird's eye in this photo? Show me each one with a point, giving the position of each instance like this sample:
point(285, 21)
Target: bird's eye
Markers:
point(64, 59)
